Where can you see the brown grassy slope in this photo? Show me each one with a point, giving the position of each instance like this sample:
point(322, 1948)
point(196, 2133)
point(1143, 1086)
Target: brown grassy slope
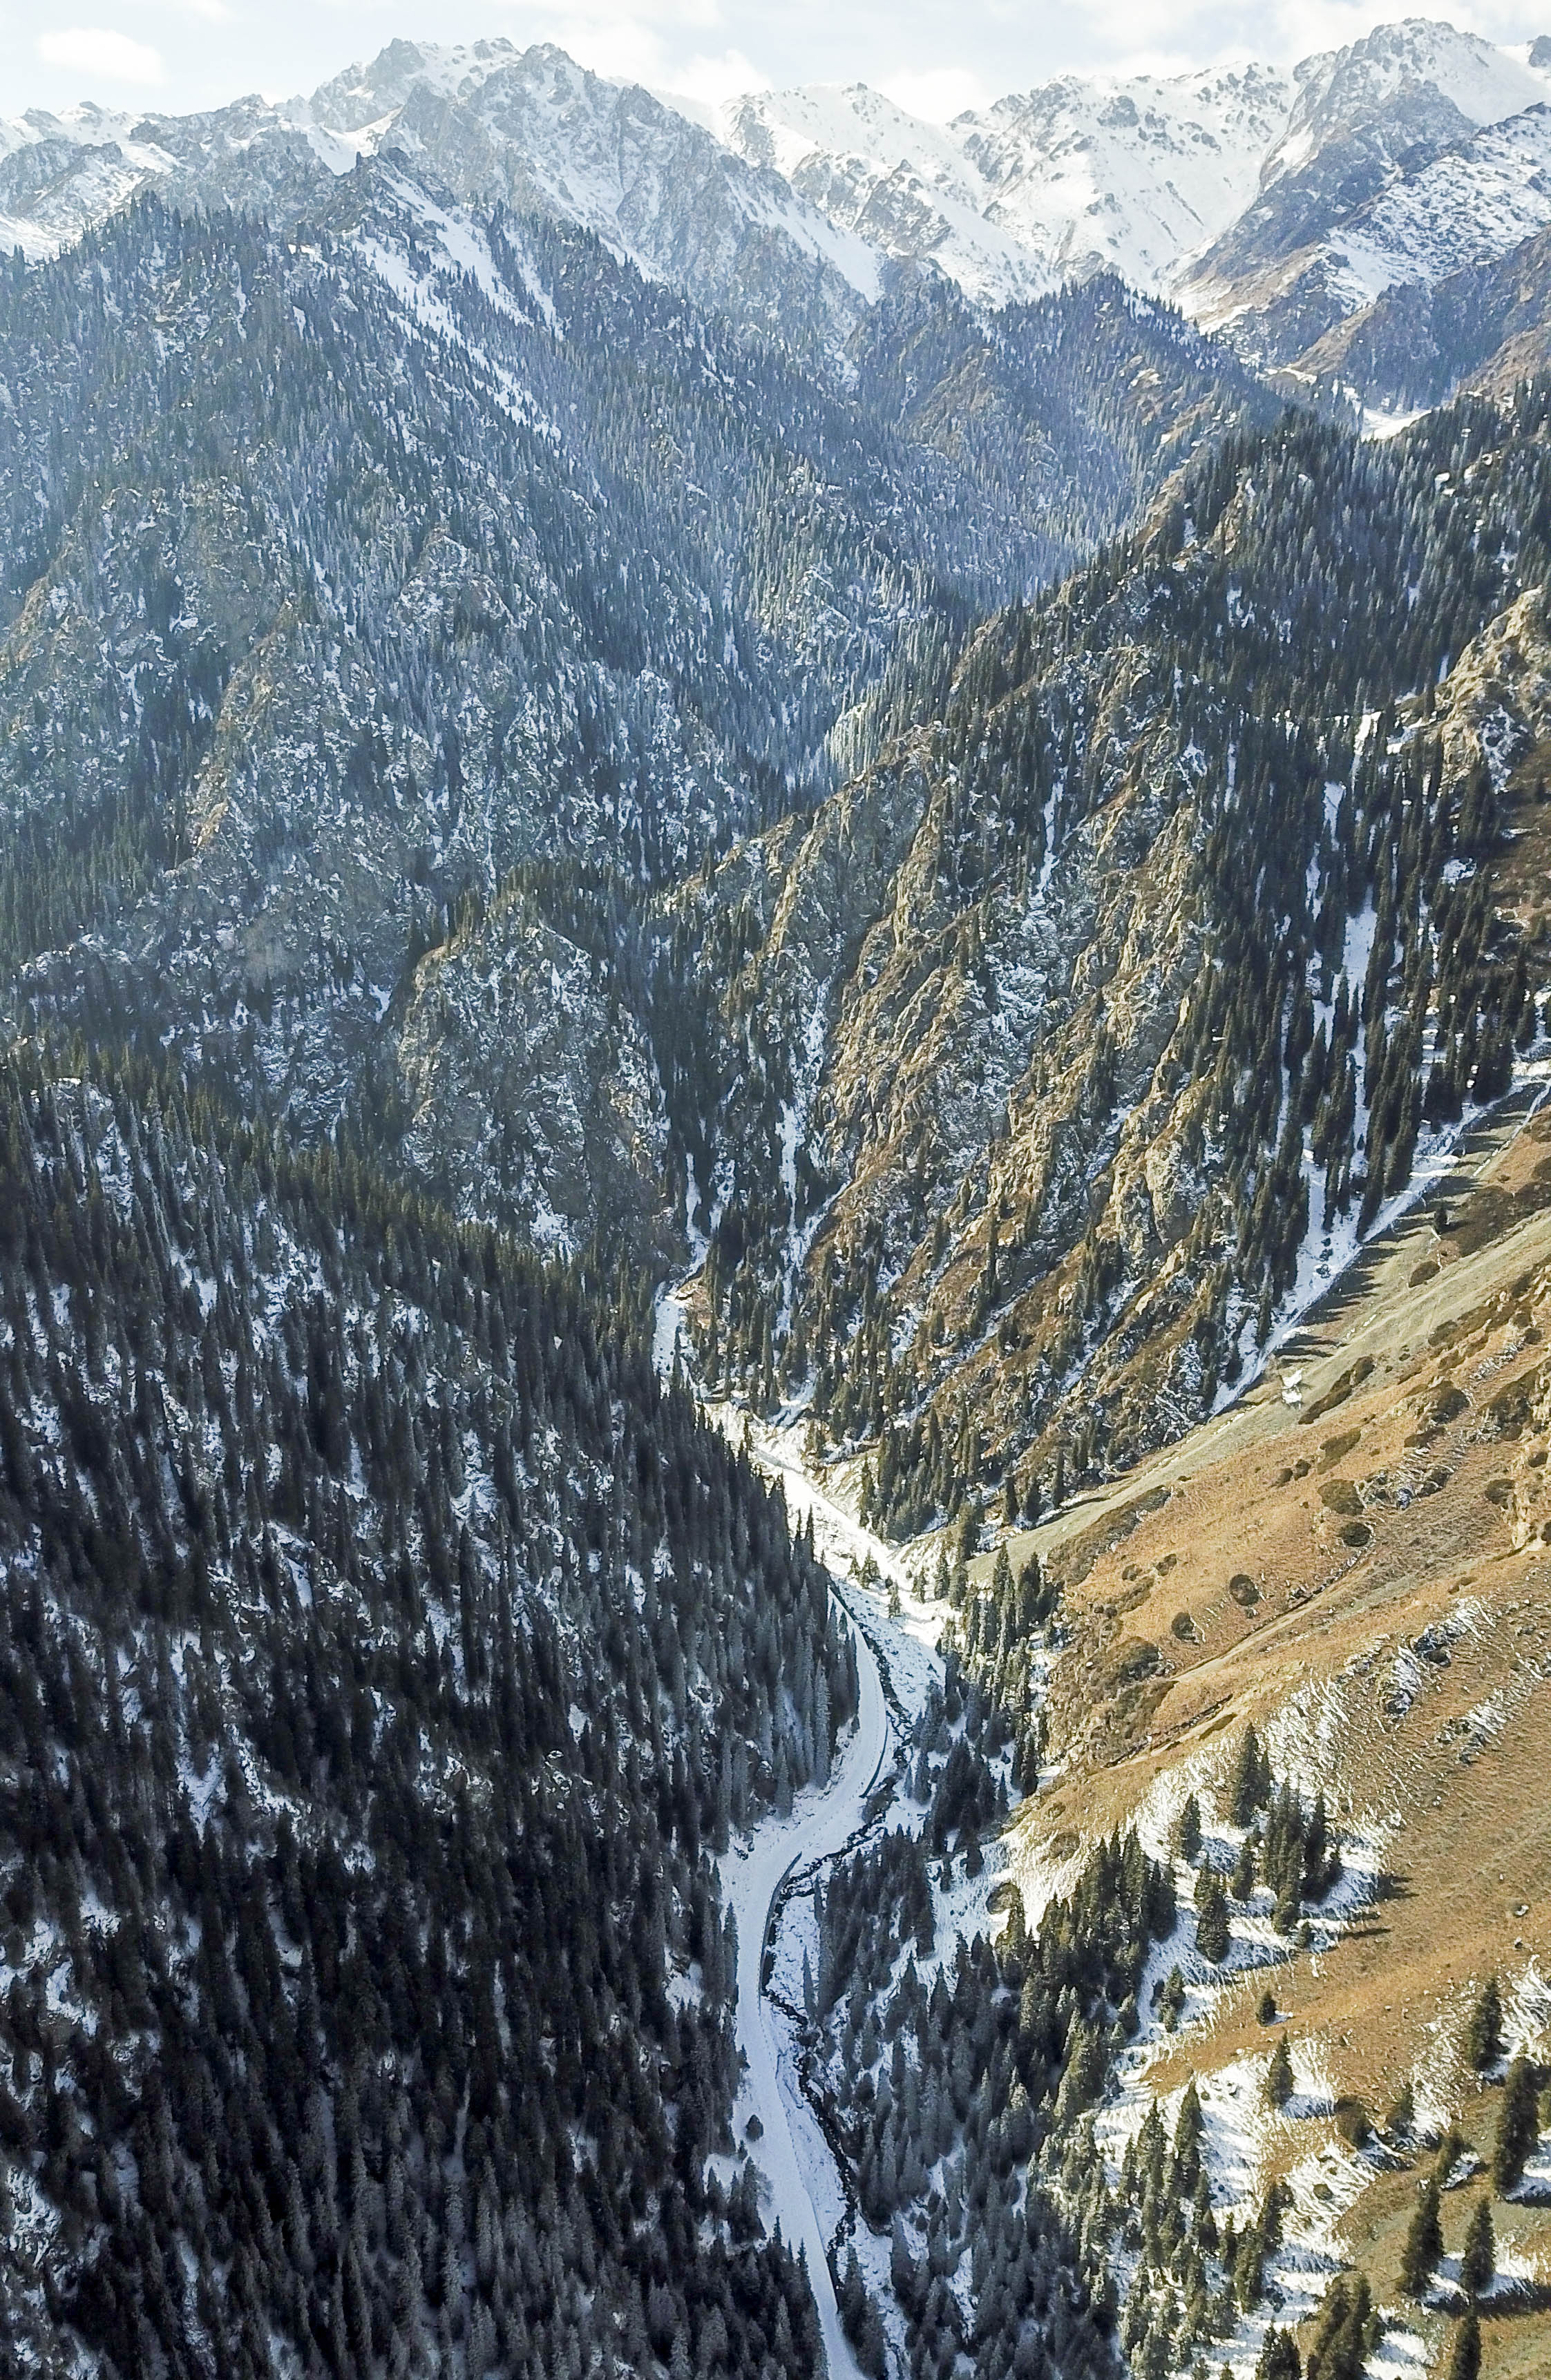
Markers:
point(1279, 1566)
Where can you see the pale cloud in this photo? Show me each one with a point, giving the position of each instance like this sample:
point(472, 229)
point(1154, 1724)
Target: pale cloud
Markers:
point(937, 94)
point(625, 48)
point(107, 56)
point(712, 79)
point(1176, 36)
point(934, 57)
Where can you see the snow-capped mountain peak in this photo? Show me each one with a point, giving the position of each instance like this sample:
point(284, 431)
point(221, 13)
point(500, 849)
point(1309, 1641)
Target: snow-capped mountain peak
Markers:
point(1129, 174)
point(1015, 198)
point(1424, 73)
point(906, 187)
point(1273, 205)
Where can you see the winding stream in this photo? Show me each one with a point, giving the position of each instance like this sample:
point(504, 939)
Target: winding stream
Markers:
point(783, 1855)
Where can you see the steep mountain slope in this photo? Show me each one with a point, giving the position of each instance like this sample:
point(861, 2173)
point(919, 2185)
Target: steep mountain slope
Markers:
point(1066, 1050)
point(549, 701)
point(382, 1656)
point(491, 124)
point(347, 576)
point(536, 132)
point(1487, 326)
point(1275, 206)
point(1130, 176)
point(61, 175)
point(906, 188)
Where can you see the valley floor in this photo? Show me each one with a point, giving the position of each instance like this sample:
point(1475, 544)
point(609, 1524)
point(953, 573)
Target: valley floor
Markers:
point(806, 2197)
point(822, 1825)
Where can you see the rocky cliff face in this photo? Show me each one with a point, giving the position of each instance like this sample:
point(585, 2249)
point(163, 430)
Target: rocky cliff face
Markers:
point(529, 1087)
point(535, 132)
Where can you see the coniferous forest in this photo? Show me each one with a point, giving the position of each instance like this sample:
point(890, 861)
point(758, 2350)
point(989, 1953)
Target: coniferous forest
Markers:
point(386, 1657)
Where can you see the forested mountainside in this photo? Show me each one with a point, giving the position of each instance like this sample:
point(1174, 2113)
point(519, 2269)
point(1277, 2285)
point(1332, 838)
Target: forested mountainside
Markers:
point(1065, 1051)
point(348, 572)
point(384, 1654)
point(1485, 327)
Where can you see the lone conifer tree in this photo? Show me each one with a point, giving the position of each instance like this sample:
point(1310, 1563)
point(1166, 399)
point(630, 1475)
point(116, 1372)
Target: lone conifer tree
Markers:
point(1251, 1780)
point(1479, 2260)
point(1419, 2257)
point(1484, 2035)
point(1278, 2080)
point(1517, 2127)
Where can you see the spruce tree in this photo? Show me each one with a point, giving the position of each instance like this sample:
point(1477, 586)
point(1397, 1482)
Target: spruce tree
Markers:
point(1248, 1791)
point(1423, 2243)
point(1478, 2260)
point(1212, 1926)
point(1517, 2127)
point(1483, 2032)
point(1279, 2359)
point(1464, 2354)
point(1346, 2328)
point(1279, 2078)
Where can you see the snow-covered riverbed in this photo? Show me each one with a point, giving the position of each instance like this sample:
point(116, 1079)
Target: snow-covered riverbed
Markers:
point(753, 1873)
point(789, 2149)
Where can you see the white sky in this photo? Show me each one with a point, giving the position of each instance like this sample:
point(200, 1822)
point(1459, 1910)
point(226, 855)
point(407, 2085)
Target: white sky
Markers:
point(933, 55)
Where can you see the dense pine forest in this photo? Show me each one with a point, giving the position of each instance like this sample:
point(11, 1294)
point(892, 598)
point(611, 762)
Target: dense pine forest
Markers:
point(385, 1655)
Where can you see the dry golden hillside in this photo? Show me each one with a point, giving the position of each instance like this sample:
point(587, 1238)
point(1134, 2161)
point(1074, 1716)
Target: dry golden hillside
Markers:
point(1354, 1561)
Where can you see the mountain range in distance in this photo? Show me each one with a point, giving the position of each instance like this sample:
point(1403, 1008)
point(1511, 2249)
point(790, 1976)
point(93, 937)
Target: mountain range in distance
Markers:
point(1279, 207)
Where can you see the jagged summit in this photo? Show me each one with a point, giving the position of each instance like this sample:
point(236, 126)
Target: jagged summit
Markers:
point(1245, 189)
